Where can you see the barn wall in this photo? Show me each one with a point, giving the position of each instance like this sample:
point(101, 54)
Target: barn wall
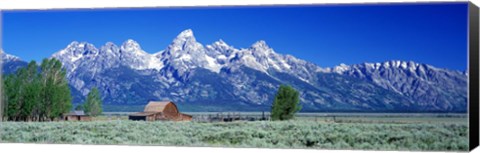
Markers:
point(170, 110)
point(151, 117)
point(76, 118)
point(71, 118)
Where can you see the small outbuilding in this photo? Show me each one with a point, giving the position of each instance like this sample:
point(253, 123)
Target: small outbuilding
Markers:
point(160, 110)
point(77, 116)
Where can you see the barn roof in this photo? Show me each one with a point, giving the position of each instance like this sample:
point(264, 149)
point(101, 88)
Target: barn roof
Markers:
point(77, 113)
point(142, 114)
point(158, 106)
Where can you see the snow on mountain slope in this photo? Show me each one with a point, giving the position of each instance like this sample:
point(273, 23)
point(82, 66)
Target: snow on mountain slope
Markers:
point(182, 55)
point(260, 57)
point(188, 71)
point(7, 57)
point(436, 88)
point(109, 55)
point(185, 53)
point(133, 55)
point(11, 63)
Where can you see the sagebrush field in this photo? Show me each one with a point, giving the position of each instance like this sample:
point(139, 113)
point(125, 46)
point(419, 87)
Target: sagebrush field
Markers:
point(266, 134)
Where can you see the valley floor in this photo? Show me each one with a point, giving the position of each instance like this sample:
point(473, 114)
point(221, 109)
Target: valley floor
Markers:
point(299, 133)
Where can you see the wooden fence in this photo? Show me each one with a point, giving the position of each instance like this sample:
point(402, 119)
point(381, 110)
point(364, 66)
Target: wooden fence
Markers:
point(229, 117)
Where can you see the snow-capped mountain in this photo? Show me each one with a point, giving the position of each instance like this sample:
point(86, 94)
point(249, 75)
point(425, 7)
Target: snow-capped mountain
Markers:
point(9, 58)
point(220, 77)
point(185, 53)
point(11, 63)
point(110, 55)
point(84, 60)
point(260, 57)
point(422, 83)
point(141, 60)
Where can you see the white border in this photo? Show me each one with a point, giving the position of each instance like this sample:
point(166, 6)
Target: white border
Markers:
point(75, 148)
point(86, 4)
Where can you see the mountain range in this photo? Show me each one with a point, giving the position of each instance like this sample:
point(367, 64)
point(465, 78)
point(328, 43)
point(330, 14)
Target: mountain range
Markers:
point(219, 77)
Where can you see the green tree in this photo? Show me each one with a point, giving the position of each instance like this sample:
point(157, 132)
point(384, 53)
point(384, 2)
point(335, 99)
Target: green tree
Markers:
point(11, 96)
point(21, 93)
point(79, 107)
point(285, 104)
point(56, 95)
point(33, 94)
point(93, 103)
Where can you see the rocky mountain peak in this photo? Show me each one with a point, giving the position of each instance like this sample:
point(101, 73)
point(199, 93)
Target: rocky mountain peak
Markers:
point(261, 49)
point(261, 44)
point(221, 44)
point(8, 57)
point(185, 36)
point(131, 45)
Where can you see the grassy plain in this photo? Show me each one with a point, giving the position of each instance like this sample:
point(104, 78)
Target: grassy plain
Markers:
point(374, 133)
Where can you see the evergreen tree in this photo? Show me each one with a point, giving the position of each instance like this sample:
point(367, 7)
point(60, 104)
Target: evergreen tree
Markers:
point(93, 104)
point(285, 104)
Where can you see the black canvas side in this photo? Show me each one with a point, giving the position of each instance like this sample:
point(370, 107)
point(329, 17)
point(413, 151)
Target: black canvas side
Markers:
point(473, 76)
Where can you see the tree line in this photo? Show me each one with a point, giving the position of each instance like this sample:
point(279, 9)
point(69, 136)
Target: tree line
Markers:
point(37, 93)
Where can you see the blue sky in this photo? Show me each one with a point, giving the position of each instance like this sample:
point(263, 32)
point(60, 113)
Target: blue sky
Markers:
point(327, 35)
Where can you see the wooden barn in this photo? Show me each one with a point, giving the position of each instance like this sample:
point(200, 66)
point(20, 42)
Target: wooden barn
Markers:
point(160, 110)
point(77, 116)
